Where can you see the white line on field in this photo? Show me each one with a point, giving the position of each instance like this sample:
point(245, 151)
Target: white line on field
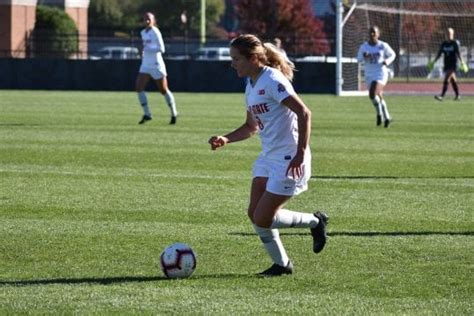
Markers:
point(130, 173)
point(123, 174)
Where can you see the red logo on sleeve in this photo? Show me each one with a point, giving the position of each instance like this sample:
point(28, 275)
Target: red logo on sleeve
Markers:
point(261, 92)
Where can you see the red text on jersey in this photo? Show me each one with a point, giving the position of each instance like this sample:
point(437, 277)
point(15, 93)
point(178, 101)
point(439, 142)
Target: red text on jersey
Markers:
point(258, 108)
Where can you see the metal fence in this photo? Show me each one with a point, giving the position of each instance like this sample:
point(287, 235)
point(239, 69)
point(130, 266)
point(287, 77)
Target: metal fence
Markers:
point(409, 64)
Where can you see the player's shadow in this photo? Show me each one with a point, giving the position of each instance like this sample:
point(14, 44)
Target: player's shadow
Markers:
point(101, 281)
point(115, 280)
point(424, 233)
point(382, 177)
point(367, 234)
point(17, 124)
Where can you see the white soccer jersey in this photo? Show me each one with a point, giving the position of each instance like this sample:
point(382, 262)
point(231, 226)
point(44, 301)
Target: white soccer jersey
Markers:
point(277, 124)
point(153, 47)
point(376, 55)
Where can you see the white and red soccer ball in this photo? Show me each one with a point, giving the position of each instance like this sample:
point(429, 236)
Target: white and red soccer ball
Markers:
point(178, 261)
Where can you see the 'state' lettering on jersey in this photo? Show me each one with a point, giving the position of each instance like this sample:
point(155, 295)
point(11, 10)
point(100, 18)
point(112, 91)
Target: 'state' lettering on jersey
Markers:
point(376, 55)
point(278, 127)
point(259, 108)
point(153, 47)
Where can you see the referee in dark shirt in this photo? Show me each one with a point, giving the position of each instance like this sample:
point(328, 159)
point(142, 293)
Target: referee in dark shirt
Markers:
point(450, 50)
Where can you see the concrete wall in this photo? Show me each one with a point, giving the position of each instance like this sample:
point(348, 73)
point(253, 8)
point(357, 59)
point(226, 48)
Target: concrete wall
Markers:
point(119, 75)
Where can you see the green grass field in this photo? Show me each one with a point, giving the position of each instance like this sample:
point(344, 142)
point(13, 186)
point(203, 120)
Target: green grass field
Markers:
point(89, 199)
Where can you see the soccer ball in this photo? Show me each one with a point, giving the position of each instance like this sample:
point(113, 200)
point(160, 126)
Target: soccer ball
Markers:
point(178, 261)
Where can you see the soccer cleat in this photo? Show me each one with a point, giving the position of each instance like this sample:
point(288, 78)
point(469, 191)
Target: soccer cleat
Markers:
point(173, 120)
point(277, 270)
point(379, 120)
point(438, 97)
point(145, 119)
point(457, 98)
point(387, 123)
point(319, 232)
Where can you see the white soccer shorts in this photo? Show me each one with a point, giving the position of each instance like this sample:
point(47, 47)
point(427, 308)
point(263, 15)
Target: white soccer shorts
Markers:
point(274, 168)
point(381, 76)
point(154, 72)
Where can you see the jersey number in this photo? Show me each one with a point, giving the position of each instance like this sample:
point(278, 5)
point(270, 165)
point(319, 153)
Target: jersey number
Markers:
point(259, 122)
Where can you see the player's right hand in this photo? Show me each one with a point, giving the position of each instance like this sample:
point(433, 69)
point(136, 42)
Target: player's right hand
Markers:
point(430, 65)
point(217, 141)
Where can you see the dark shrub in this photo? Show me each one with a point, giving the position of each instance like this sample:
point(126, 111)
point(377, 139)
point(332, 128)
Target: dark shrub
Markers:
point(55, 33)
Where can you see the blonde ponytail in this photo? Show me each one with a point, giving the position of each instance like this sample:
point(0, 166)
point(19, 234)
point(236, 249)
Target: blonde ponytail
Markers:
point(267, 53)
point(278, 60)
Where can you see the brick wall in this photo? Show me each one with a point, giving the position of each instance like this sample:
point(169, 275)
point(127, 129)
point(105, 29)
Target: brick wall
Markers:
point(79, 16)
point(17, 20)
point(23, 22)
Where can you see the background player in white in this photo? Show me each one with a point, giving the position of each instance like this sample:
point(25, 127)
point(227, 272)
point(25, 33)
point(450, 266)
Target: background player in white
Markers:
point(283, 168)
point(376, 56)
point(154, 67)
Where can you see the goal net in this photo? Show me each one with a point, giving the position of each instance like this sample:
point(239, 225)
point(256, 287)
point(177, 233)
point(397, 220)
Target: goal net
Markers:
point(414, 29)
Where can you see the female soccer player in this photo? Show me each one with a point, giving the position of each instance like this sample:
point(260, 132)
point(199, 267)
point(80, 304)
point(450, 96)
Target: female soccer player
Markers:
point(376, 56)
point(154, 67)
point(450, 50)
point(283, 168)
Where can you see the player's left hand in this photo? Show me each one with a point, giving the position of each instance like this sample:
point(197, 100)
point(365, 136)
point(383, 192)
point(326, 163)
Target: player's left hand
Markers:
point(464, 68)
point(295, 167)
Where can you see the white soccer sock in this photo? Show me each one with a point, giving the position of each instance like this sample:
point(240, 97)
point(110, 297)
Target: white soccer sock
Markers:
point(169, 97)
point(286, 218)
point(378, 106)
point(144, 102)
point(273, 245)
point(385, 109)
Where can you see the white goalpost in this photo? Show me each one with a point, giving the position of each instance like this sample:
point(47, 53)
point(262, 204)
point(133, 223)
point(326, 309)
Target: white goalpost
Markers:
point(413, 28)
point(352, 87)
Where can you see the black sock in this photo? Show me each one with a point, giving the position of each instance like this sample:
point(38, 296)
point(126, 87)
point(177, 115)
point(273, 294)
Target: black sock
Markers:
point(455, 87)
point(445, 88)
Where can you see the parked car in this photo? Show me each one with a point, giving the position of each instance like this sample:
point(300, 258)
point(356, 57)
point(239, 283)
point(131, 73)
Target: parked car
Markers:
point(117, 52)
point(213, 53)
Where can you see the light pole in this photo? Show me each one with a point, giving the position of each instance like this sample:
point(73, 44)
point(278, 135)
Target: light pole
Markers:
point(203, 23)
point(339, 16)
point(184, 21)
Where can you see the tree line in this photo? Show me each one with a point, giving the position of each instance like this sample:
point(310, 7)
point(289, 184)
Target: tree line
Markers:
point(291, 20)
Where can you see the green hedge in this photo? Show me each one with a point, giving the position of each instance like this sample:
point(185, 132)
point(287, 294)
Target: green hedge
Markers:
point(55, 33)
